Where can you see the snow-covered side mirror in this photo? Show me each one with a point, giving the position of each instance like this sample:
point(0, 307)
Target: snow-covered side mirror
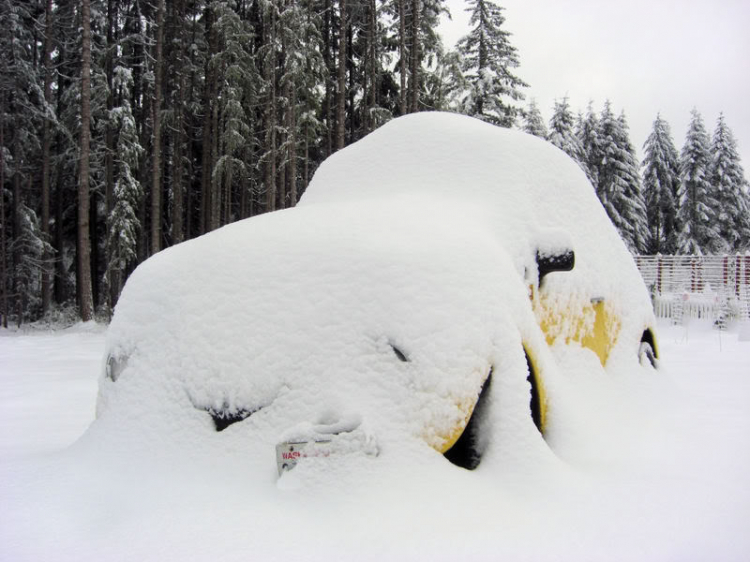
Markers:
point(561, 260)
point(554, 252)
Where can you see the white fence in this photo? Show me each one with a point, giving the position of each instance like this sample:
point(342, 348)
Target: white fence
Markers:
point(712, 287)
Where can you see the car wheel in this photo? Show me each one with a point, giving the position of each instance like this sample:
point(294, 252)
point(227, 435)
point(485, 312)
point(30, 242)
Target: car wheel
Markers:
point(646, 355)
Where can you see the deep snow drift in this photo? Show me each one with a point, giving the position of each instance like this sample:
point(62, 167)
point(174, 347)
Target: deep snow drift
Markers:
point(656, 469)
point(380, 304)
point(371, 315)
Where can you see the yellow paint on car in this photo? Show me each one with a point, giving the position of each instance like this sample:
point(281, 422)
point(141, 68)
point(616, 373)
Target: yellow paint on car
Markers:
point(449, 440)
point(594, 323)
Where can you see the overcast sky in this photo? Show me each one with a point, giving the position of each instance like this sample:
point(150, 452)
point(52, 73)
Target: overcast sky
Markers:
point(645, 56)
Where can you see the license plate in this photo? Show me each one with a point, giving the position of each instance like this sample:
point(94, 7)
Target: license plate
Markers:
point(289, 453)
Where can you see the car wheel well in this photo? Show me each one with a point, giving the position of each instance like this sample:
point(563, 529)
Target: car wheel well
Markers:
point(536, 396)
point(467, 451)
point(647, 349)
point(648, 337)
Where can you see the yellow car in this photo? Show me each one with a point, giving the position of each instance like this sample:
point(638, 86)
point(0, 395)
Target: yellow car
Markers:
point(417, 300)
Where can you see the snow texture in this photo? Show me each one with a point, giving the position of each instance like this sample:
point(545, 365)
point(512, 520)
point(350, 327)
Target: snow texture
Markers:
point(297, 316)
point(651, 468)
point(375, 309)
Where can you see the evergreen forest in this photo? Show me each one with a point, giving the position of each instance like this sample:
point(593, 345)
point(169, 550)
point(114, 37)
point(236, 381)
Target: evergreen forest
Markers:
point(129, 126)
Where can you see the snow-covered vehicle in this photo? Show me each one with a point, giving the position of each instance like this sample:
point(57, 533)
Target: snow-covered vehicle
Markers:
point(437, 255)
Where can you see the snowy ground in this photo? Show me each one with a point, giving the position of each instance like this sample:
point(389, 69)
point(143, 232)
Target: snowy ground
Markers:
point(644, 470)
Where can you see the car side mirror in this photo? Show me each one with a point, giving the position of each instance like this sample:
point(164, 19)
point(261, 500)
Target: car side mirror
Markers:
point(562, 260)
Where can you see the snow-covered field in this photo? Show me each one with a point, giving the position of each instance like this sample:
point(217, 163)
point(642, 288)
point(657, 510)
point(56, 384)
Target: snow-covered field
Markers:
point(372, 315)
point(646, 469)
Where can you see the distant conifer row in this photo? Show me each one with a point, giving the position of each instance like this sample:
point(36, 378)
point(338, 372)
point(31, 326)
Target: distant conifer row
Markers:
point(695, 202)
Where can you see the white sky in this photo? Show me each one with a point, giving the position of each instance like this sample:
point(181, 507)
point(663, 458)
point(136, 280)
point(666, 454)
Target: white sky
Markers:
point(645, 56)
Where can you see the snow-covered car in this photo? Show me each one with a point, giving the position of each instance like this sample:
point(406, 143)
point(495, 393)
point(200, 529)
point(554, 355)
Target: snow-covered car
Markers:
point(417, 301)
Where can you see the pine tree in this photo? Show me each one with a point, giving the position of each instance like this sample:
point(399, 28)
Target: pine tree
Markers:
point(21, 114)
point(488, 61)
point(533, 122)
point(123, 225)
point(619, 184)
point(303, 68)
point(31, 248)
point(587, 132)
point(633, 208)
point(699, 231)
point(728, 182)
point(3, 220)
point(311, 73)
point(236, 91)
point(431, 51)
point(660, 187)
point(562, 134)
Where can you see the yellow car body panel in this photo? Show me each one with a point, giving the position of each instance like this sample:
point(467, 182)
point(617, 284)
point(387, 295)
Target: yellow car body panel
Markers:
point(449, 440)
point(593, 324)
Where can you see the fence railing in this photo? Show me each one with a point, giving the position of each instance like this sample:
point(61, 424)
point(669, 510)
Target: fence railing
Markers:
point(712, 287)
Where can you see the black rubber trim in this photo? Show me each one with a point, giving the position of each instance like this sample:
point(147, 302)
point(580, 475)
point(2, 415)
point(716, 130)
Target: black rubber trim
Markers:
point(465, 451)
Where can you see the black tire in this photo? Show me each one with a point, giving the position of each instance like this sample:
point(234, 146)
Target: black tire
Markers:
point(646, 355)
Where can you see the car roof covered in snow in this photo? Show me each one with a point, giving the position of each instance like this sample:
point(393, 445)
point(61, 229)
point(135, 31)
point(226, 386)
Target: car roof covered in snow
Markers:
point(528, 192)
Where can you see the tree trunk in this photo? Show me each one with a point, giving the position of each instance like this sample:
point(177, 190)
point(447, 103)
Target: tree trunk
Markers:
point(84, 248)
point(246, 156)
point(327, 40)
point(209, 101)
point(368, 97)
point(179, 140)
point(109, 158)
point(46, 142)
point(60, 295)
point(402, 53)
point(16, 256)
point(177, 188)
point(286, 178)
point(3, 253)
point(139, 110)
point(93, 246)
point(215, 182)
point(352, 84)
point(415, 59)
point(293, 149)
point(306, 180)
point(271, 123)
point(341, 100)
point(156, 145)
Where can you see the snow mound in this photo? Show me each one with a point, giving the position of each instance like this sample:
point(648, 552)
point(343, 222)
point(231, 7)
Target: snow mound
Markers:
point(388, 295)
point(527, 192)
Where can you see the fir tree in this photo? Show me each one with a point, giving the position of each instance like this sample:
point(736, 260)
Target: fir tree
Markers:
point(587, 133)
point(430, 50)
point(233, 63)
point(699, 231)
point(633, 204)
point(30, 248)
point(619, 185)
point(488, 63)
point(533, 122)
point(123, 225)
point(562, 134)
point(304, 69)
point(660, 186)
point(728, 182)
